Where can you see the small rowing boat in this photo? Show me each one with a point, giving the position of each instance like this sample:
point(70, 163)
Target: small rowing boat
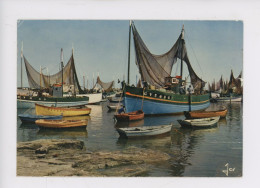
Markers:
point(206, 114)
point(144, 131)
point(131, 116)
point(65, 111)
point(29, 118)
point(58, 124)
point(199, 123)
point(114, 107)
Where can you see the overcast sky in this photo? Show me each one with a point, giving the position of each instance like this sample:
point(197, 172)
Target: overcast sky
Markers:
point(101, 47)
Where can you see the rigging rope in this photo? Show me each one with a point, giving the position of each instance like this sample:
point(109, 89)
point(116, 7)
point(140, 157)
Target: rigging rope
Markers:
point(194, 53)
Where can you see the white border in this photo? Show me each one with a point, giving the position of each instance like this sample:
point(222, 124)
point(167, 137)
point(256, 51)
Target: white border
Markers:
point(12, 10)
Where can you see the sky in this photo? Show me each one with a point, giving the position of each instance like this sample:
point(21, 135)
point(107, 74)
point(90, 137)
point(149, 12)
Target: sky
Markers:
point(101, 47)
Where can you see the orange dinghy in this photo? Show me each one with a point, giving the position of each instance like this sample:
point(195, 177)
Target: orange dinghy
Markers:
point(64, 111)
point(206, 114)
point(57, 124)
point(131, 116)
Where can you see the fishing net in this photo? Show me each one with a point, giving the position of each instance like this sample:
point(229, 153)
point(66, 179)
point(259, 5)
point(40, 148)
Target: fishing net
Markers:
point(107, 86)
point(38, 80)
point(155, 68)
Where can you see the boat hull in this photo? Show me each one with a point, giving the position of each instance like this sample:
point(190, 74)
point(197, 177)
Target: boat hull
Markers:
point(61, 124)
point(228, 99)
point(132, 116)
point(205, 114)
point(163, 103)
point(199, 123)
point(94, 98)
point(26, 118)
point(29, 102)
point(54, 111)
point(114, 107)
point(145, 131)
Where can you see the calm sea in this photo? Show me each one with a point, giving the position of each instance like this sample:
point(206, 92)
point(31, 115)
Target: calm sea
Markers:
point(194, 153)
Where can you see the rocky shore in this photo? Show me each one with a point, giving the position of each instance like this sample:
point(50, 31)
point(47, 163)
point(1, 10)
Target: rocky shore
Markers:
point(63, 157)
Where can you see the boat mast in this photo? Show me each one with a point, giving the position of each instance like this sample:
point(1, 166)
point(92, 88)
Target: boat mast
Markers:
point(129, 45)
point(22, 65)
point(74, 75)
point(40, 77)
point(61, 57)
point(87, 82)
point(182, 41)
point(93, 81)
point(84, 82)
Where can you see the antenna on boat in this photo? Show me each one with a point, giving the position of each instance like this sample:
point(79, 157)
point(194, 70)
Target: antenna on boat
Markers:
point(129, 46)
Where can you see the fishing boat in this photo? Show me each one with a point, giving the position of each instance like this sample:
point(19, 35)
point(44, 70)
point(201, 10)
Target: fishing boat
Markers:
point(64, 111)
point(144, 131)
point(114, 107)
point(231, 91)
point(29, 118)
point(162, 93)
point(199, 123)
point(59, 124)
point(131, 116)
point(206, 114)
point(115, 100)
point(65, 80)
point(93, 98)
point(29, 102)
point(229, 99)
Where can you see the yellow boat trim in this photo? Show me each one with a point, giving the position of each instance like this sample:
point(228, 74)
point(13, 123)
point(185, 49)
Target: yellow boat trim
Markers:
point(50, 111)
point(127, 93)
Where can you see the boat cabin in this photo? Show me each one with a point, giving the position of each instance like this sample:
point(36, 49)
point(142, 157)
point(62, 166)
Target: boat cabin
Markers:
point(57, 90)
point(175, 84)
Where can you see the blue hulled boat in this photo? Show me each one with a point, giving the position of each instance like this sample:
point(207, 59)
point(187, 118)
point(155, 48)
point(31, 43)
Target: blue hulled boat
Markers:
point(28, 118)
point(160, 92)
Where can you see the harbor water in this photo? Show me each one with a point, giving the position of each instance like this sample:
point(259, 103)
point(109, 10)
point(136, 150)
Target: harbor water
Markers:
point(214, 152)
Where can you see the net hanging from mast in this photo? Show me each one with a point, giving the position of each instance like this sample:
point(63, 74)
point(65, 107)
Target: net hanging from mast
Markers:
point(107, 86)
point(154, 68)
point(38, 80)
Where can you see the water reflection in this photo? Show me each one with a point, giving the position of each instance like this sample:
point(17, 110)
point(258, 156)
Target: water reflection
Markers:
point(222, 121)
point(163, 141)
point(64, 133)
point(121, 124)
point(200, 152)
point(77, 118)
point(185, 142)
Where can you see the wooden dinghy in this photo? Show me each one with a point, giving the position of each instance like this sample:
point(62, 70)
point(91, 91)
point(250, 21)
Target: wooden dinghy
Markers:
point(206, 114)
point(144, 131)
point(29, 118)
point(65, 111)
point(58, 124)
point(131, 116)
point(199, 123)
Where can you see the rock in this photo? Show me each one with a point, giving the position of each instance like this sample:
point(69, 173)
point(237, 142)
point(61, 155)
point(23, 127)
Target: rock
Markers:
point(70, 158)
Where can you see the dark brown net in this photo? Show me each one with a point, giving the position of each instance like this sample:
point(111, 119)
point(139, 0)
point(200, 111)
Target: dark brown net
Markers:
point(154, 68)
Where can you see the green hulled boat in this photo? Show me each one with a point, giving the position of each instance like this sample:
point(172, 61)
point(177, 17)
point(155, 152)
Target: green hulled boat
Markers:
point(160, 92)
